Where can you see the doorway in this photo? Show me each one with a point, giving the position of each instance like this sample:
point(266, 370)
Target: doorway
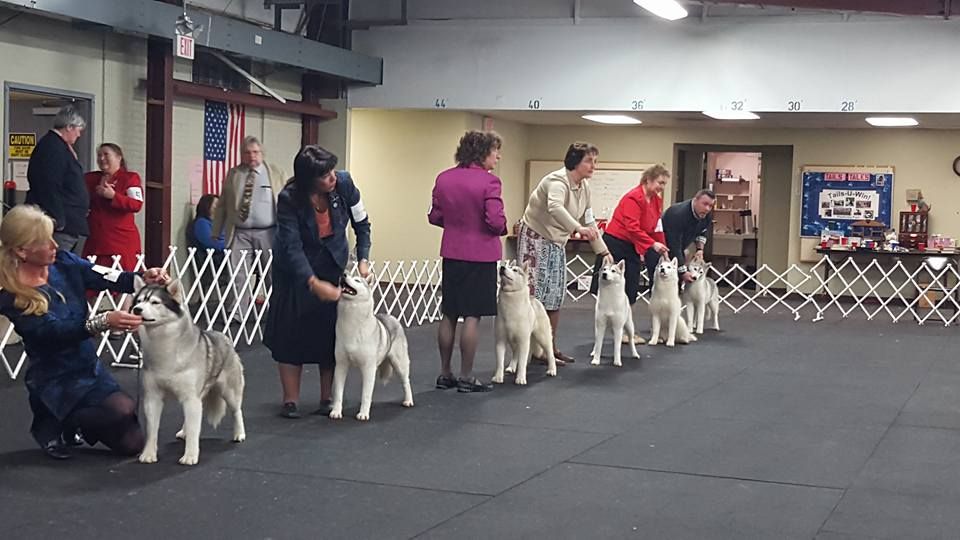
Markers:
point(752, 211)
point(29, 112)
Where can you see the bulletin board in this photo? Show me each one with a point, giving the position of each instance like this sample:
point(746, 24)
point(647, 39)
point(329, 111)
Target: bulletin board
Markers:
point(834, 197)
point(610, 182)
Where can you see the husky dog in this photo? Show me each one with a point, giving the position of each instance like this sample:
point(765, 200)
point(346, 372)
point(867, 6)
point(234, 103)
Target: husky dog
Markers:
point(198, 368)
point(700, 296)
point(522, 323)
point(376, 344)
point(613, 308)
point(665, 306)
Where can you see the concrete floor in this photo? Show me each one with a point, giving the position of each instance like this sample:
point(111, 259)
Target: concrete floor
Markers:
point(772, 429)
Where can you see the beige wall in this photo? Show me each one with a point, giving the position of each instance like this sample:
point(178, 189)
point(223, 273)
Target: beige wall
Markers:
point(395, 157)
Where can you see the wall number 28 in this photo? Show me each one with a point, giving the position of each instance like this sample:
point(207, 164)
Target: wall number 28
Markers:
point(847, 106)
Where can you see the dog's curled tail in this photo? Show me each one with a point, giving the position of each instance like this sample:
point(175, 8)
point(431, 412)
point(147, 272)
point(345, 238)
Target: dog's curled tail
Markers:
point(215, 406)
point(385, 371)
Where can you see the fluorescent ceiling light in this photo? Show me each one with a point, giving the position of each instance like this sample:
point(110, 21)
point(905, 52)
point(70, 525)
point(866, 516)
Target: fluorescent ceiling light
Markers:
point(731, 115)
point(611, 119)
point(892, 121)
point(667, 9)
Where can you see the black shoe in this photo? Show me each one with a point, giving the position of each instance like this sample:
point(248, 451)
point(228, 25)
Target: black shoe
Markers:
point(57, 450)
point(446, 382)
point(325, 407)
point(289, 410)
point(473, 384)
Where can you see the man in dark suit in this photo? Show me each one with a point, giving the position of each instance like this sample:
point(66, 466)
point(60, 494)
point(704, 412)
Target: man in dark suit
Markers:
point(686, 223)
point(56, 181)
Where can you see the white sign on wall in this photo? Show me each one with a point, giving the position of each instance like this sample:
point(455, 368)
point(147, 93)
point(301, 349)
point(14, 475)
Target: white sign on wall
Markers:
point(852, 204)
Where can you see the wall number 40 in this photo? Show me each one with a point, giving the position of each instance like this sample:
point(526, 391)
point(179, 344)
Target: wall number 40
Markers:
point(533, 104)
point(848, 106)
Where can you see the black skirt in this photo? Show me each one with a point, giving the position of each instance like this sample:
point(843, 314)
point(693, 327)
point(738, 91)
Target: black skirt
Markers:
point(300, 329)
point(468, 288)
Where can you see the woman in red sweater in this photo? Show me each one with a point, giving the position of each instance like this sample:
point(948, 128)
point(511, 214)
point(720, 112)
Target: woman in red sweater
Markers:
point(634, 234)
point(115, 196)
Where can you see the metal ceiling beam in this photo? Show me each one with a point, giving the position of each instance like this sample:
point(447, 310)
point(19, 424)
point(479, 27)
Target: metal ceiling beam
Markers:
point(151, 18)
point(932, 8)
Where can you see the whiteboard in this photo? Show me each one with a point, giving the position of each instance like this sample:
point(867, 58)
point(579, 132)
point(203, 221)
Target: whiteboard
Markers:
point(609, 184)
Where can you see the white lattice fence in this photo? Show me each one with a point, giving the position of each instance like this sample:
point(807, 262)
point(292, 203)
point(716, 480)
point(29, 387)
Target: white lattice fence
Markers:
point(234, 297)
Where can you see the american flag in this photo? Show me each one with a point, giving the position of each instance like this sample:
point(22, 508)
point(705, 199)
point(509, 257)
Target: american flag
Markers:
point(223, 129)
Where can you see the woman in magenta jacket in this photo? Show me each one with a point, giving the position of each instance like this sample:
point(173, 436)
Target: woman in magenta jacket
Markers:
point(467, 204)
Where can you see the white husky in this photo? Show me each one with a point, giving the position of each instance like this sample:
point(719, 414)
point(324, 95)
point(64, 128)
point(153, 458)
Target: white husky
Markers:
point(700, 296)
point(665, 306)
point(198, 368)
point(613, 308)
point(522, 323)
point(376, 344)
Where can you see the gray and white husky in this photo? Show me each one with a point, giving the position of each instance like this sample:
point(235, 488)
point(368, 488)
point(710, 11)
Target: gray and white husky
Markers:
point(200, 369)
point(701, 296)
point(665, 306)
point(613, 309)
point(375, 344)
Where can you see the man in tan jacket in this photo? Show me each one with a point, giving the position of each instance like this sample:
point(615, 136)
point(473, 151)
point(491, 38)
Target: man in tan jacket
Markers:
point(247, 217)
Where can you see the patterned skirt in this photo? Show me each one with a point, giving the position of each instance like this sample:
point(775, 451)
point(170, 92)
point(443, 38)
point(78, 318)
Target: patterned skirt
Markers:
point(548, 266)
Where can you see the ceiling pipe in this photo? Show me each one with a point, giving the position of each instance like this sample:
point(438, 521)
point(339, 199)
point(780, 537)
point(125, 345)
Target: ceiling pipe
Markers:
point(928, 8)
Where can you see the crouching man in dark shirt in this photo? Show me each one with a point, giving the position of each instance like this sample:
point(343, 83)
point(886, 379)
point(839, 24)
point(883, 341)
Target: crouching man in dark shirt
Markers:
point(686, 223)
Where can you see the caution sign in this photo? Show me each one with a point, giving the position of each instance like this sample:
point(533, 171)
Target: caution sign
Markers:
point(21, 145)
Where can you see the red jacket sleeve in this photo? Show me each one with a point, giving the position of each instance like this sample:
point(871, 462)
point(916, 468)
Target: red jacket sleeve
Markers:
point(128, 195)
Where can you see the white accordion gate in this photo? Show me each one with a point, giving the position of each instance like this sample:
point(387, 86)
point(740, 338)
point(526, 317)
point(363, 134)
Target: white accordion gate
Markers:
point(234, 298)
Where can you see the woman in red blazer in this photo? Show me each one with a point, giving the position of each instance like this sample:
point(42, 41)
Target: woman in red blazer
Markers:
point(115, 196)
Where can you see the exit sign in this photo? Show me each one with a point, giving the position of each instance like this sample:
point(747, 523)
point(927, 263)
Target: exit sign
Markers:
point(183, 47)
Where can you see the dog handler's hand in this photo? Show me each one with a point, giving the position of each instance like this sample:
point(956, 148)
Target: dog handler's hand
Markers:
point(121, 321)
point(155, 276)
point(325, 291)
point(364, 268)
point(588, 233)
point(607, 259)
point(660, 248)
point(688, 277)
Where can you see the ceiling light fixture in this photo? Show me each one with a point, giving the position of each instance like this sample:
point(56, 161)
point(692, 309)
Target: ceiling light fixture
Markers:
point(892, 121)
point(667, 9)
point(619, 119)
point(731, 115)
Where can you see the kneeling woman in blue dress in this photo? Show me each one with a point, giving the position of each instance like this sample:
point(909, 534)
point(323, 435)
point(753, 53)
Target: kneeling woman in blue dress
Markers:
point(73, 398)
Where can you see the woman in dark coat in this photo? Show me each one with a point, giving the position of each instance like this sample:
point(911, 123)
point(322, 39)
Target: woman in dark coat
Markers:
point(72, 397)
point(310, 253)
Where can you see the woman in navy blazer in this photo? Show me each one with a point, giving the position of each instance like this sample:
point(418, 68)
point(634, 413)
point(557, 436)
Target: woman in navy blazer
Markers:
point(310, 253)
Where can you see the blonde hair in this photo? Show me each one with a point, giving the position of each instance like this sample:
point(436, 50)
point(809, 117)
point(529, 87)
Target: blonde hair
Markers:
point(22, 226)
point(653, 173)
